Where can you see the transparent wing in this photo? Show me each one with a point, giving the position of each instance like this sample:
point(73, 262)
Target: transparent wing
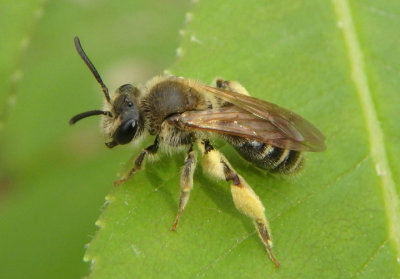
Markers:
point(290, 126)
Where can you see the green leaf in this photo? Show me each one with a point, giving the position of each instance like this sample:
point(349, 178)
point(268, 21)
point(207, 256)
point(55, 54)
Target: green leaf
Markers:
point(17, 36)
point(53, 177)
point(337, 64)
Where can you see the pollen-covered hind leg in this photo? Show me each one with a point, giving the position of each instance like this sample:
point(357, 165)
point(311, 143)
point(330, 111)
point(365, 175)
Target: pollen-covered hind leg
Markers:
point(186, 184)
point(244, 198)
point(230, 85)
point(152, 149)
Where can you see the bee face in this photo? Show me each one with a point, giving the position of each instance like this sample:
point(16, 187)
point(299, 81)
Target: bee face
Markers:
point(125, 122)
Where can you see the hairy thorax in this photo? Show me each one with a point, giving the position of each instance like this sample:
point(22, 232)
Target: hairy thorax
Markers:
point(167, 98)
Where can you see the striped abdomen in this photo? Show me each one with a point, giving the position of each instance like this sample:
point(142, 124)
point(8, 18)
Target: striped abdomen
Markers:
point(265, 156)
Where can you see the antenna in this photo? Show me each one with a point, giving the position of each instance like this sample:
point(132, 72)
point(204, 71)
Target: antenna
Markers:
point(85, 114)
point(91, 67)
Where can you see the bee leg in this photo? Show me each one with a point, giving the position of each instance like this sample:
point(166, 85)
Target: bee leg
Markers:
point(152, 149)
point(230, 86)
point(186, 183)
point(244, 198)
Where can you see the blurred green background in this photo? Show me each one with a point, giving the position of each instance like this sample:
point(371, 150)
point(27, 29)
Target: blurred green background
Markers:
point(53, 177)
point(47, 212)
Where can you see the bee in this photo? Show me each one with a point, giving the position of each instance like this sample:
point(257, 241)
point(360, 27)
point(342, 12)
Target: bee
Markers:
point(182, 113)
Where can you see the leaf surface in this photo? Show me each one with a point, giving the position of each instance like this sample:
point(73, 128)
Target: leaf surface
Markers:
point(336, 64)
point(53, 177)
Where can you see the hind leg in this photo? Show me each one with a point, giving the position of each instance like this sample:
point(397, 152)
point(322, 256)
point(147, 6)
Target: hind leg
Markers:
point(233, 86)
point(244, 198)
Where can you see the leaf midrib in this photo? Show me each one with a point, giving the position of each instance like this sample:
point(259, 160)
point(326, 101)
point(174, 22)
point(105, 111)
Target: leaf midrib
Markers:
point(376, 137)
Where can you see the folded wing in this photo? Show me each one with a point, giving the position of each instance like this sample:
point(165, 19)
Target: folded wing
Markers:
point(292, 128)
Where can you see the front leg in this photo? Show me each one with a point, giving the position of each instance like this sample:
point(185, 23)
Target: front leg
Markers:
point(152, 149)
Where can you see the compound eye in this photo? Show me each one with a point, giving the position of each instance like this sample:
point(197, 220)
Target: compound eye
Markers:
point(125, 132)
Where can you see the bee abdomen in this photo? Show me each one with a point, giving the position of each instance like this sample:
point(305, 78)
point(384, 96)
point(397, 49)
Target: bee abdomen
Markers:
point(268, 157)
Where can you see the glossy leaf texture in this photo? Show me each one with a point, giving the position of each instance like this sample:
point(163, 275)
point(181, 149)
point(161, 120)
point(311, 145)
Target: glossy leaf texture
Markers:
point(337, 64)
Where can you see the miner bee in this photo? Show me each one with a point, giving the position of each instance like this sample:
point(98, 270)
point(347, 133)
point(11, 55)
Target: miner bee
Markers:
point(181, 113)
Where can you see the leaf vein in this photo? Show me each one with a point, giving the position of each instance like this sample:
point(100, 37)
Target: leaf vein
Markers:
point(371, 258)
point(239, 241)
point(379, 11)
point(374, 130)
point(323, 188)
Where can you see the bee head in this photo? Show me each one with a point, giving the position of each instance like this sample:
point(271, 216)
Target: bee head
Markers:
point(122, 120)
point(126, 121)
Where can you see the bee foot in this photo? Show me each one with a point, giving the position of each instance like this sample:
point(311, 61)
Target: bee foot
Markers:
point(119, 182)
point(174, 226)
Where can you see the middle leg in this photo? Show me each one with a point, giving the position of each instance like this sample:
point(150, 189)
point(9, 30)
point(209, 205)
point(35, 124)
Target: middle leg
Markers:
point(186, 183)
